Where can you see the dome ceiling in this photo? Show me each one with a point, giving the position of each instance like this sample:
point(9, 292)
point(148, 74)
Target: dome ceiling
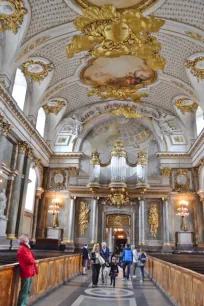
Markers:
point(180, 35)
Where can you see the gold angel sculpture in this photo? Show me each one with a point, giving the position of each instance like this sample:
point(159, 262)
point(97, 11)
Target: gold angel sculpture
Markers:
point(83, 217)
point(153, 220)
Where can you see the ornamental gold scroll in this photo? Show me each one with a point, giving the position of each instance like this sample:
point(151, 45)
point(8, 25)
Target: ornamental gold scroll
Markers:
point(108, 33)
point(84, 212)
point(153, 220)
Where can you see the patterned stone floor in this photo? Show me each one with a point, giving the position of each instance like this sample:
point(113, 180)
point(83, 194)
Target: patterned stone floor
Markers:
point(79, 292)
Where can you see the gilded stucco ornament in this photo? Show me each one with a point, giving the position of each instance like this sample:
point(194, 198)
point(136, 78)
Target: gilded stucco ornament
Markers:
point(153, 220)
point(37, 70)
point(5, 126)
point(84, 212)
point(142, 158)
point(95, 158)
point(58, 179)
point(127, 112)
point(182, 180)
point(196, 67)
point(54, 106)
point(124, 93)
point(12, 14)
point(73, 171)
point(118, 149)
point(166, 171)
point(186, 105)
point(109, 33)
point(118, 197)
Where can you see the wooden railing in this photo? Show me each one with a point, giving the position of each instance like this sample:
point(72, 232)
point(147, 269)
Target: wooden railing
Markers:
point(183, 286)
point(53, 272)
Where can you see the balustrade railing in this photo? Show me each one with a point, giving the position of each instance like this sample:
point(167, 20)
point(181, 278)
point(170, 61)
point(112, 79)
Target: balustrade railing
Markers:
point(53, 272)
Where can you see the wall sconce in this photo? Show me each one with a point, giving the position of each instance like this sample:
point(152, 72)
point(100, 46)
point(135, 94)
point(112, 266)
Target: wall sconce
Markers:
point(183, 212)
point(54, 210)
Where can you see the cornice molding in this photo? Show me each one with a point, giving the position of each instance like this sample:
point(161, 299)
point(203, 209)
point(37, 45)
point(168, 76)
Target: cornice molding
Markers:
point(199, 142)
point(13, 108)
point(69, 154)
point(175, 155)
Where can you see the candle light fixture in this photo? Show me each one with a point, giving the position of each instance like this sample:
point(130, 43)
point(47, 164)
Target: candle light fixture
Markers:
point(54, 210)
point(183, 212)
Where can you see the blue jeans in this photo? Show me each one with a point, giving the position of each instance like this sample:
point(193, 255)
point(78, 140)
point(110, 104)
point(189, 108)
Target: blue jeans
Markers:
point(128, 265)
point(142, 272)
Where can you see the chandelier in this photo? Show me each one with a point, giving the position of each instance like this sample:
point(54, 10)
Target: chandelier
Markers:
point(183, 212)
point(54, 210)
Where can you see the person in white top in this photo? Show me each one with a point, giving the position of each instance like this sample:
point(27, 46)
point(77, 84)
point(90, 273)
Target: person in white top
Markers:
point(135, 261)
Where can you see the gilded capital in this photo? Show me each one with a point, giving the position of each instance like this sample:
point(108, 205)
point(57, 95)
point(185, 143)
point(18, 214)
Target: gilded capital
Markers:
point(23, 146)
point(73, 171)
point(29, 153)
point(5, 126)
point(166, 171)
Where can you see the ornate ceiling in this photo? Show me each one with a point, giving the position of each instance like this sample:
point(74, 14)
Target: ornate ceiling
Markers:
point(53, 25)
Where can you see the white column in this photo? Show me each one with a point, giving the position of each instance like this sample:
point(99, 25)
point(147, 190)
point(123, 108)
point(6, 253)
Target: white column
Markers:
point(110, 239)
point(141, 222)
point(133, 228)
point(69, 230)
point(94, 221)
point(165, 222)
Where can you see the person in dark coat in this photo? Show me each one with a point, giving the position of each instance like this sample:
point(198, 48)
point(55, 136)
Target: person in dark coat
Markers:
point(105, 253)
point(28, 269)
point(113, 270)
point(85, 258)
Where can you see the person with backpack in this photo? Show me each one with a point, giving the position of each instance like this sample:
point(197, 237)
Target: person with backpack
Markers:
point(127, 261)
point(142, 257)
point(135, 261)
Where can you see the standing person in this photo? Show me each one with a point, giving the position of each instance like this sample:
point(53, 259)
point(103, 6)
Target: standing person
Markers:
point(113, 270)
point(97, 261)
point(135, 261)
point(142, 257)
point(28, 269)
point(127, 261)
point(105, 253)
point(85, 258)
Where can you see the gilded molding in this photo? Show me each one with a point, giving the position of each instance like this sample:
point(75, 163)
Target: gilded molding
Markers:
point(153, 220)
point(84, 213)
point(58, 179)
point(53, 90)
point(141, 6)
point(5, 126)
point(166, 171)
point(195, 35)
point(180, 104)
point(22, 146)
point(54, 109)
point(41, 74)
point(33, 45)
point(192, 65)
point(127, 112)
point(14, 20)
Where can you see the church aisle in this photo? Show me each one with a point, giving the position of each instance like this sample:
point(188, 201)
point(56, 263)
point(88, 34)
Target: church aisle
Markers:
point(79, 292)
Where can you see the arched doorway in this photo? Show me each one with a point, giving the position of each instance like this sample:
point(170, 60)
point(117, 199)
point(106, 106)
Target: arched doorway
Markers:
point(120, 239)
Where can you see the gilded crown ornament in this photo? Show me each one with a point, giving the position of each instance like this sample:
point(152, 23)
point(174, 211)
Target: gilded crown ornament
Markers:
point(109, 33)
point(186, 105)
point(95, 158)
point(127, 112)
point(142, 158)
point(12, 14)
point(37, 70)
point(118, 149)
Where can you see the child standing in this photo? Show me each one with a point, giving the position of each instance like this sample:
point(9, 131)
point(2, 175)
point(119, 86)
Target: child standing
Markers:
point(113, 270)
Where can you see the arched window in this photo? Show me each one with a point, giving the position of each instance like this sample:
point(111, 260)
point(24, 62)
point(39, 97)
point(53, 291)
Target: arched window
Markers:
point(19, 88)
point(30, 196)
point(199, 120)
point(40, 125)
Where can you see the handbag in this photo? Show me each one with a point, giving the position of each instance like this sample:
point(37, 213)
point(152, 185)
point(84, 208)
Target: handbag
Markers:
point(101, 260)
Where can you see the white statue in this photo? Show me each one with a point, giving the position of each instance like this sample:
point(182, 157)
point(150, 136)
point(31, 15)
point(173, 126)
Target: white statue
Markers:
point(3, 200)
point(161, 125)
